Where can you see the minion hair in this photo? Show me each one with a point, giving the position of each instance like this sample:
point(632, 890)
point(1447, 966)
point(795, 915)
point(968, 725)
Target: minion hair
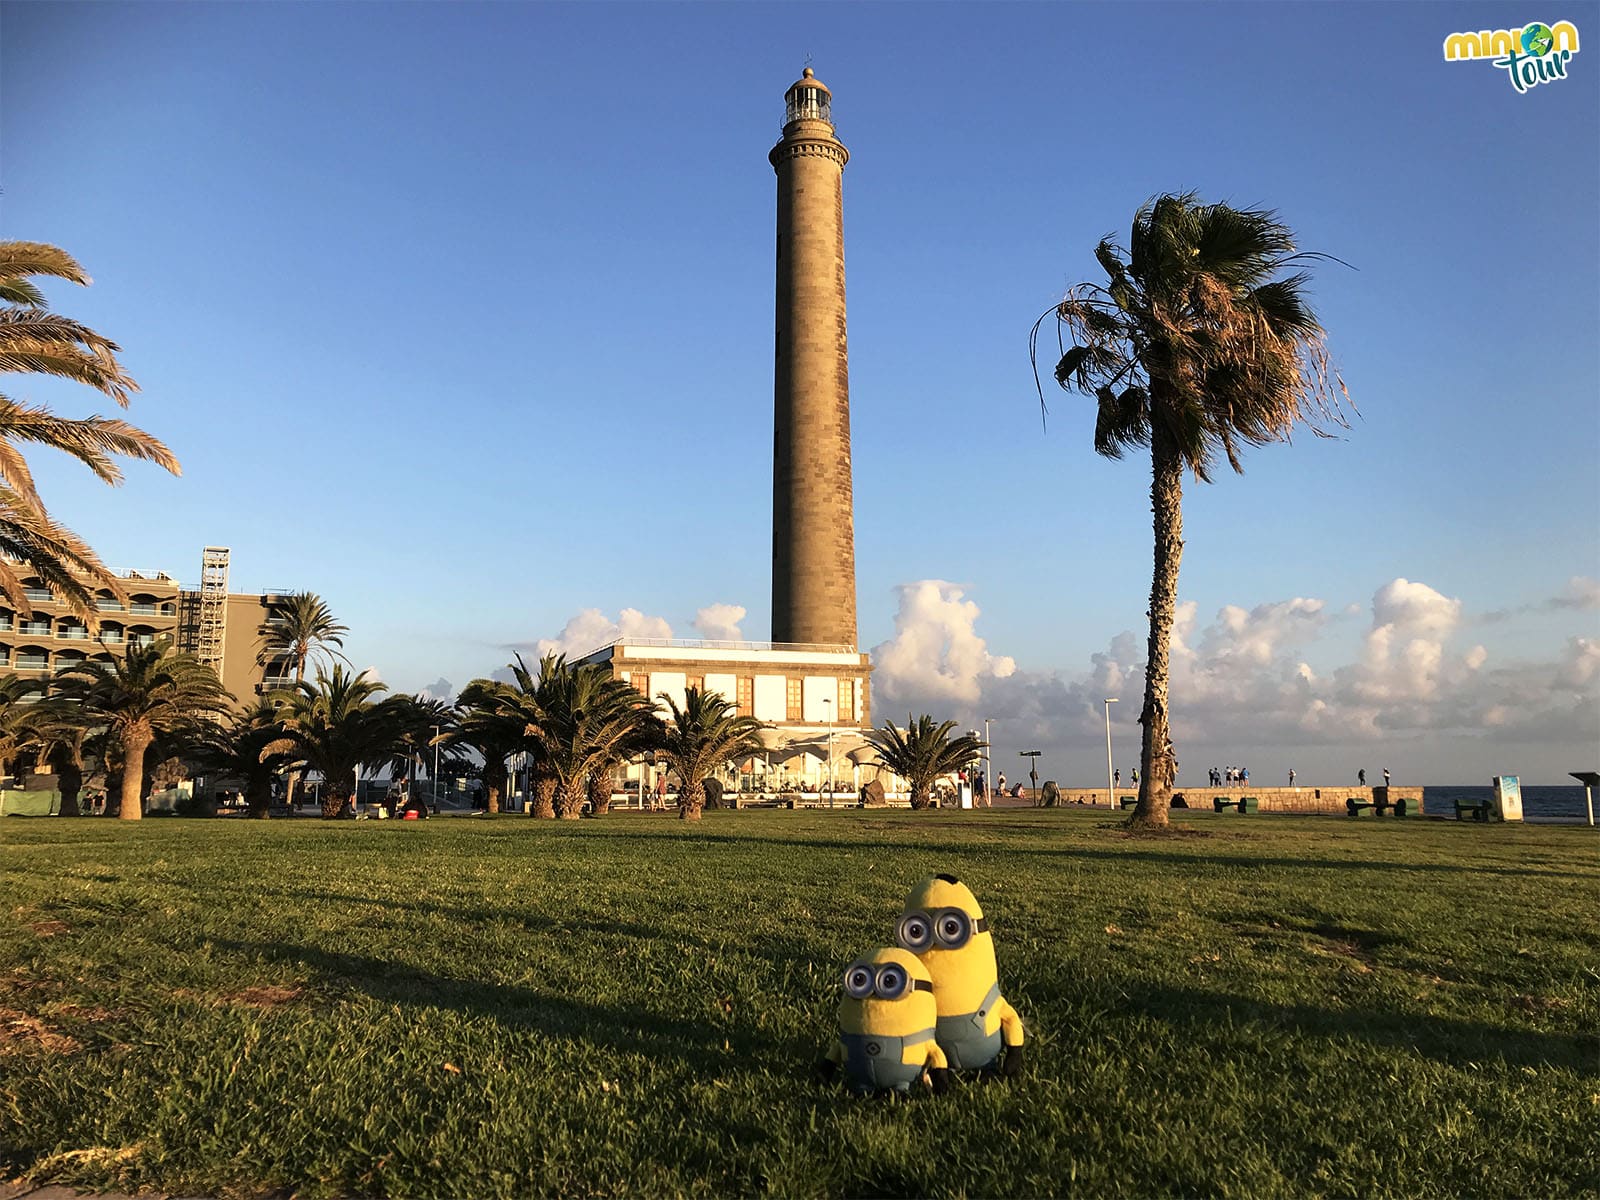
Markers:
point(948, 878)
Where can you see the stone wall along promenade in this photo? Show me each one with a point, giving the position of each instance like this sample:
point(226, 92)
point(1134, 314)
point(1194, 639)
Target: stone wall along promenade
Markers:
point(1271, 799)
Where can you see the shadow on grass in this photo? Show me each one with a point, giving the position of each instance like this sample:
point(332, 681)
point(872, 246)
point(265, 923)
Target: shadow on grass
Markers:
point(701, 1045)
point(1454, 1042)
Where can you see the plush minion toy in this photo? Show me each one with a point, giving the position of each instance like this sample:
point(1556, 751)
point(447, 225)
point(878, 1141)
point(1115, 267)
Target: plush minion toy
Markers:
point(944, 927)
point(886, 1038)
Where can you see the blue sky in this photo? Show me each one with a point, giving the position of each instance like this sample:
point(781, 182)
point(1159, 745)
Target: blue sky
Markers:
point(461, 316)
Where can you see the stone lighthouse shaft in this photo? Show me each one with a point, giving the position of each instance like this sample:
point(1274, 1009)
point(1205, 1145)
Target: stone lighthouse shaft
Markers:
point(813, 523)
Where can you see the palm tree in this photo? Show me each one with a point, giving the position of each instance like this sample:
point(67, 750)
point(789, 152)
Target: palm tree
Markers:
point(18, 720)
point(581, 720)
point(152, 690)
point(243, 749)
point(300, 628)
point(36, 341)
point(335, 724)
point(704, 734)
point(416, 720)
point(58, 729)
point(1197, 345)
point(485, 722)
point(922, 752)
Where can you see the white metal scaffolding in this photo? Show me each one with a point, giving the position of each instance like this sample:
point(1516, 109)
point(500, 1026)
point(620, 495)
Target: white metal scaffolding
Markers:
point(213, 621)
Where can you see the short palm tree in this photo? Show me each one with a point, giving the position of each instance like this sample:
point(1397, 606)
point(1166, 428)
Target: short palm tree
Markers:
point(57, 728)
point(1198, 344)
point(419, 722)
point(335, 723)
point(581, 721)
point(484, 722)
point(923, 752)
point(706, 733)
point(241, 749)
point(151, 691)
point(36, 341)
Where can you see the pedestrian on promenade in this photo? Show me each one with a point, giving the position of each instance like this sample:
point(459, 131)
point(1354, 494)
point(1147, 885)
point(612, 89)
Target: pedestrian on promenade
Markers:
point(1361, 777)
point(1244, 774)
point(1001, 783)
point(1386, 777)
point(1136, 777)
point(1291, 776)
point(1116, 777)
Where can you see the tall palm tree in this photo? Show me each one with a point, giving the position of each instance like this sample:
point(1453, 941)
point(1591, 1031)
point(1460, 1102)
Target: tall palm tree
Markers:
point(922, 752)
point(706, 733)
point(335, 723)
point(299, 629)
point(1198, 344)
point(485, 722)
point(526, 702)
point(36, 341)
point(243, 749)
point(151, 691)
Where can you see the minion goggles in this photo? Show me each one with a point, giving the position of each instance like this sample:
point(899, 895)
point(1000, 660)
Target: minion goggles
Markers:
point(949, 928)
point(889, 981)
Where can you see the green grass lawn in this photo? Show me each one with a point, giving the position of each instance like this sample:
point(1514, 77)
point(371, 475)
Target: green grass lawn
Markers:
point(1272, 1006)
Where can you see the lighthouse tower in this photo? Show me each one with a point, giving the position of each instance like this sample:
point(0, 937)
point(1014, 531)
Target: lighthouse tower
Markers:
point(813, 524)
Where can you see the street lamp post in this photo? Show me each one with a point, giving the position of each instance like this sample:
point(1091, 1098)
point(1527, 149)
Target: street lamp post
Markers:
point(436, 768)
point(1111, 787)
point(829, 703)
point(988, 778)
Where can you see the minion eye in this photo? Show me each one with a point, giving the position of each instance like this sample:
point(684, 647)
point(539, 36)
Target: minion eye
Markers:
point(915, 931)
point(953, 929)
point(858, 982)
point(892, 981)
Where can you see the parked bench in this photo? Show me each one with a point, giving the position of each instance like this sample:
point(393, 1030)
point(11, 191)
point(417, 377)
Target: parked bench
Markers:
point(1218, 803)
point(1249, 804)
point(1128, 802)
point(1381, 805)
point(1355, 806)
point(1478, 808)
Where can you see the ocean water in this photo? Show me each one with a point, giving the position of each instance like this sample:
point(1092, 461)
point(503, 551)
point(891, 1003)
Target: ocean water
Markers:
point(1538, 803)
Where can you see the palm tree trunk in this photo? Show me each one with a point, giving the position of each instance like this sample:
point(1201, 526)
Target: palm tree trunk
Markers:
point(691, 800)
point(921, 796)
point(600, 791)
point(544, 796)
point(494, 781)
point(1156, 761)
point(258, 796)
point(572, 796)
point(134, 743)
point(334, 799)
point(69, 771)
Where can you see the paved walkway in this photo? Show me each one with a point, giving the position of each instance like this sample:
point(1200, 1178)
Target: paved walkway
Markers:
point(52, 1191)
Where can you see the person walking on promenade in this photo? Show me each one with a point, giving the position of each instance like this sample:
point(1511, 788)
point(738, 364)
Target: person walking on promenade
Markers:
point(1291, 776)
point(1116, 777)
point(1244, 774)
point(1361, 777)
point(1386, 777)
point(1000, 783)
point(1136, 777)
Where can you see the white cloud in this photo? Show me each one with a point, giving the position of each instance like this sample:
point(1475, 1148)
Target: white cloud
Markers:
point(935, 657)
point(720, 622)
point(1581, 592)
point(591, 629)
point(1277, 674)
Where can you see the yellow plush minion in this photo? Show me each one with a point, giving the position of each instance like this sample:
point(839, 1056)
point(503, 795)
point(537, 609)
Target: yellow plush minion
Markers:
point(945, 928)
point(886, 1035)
